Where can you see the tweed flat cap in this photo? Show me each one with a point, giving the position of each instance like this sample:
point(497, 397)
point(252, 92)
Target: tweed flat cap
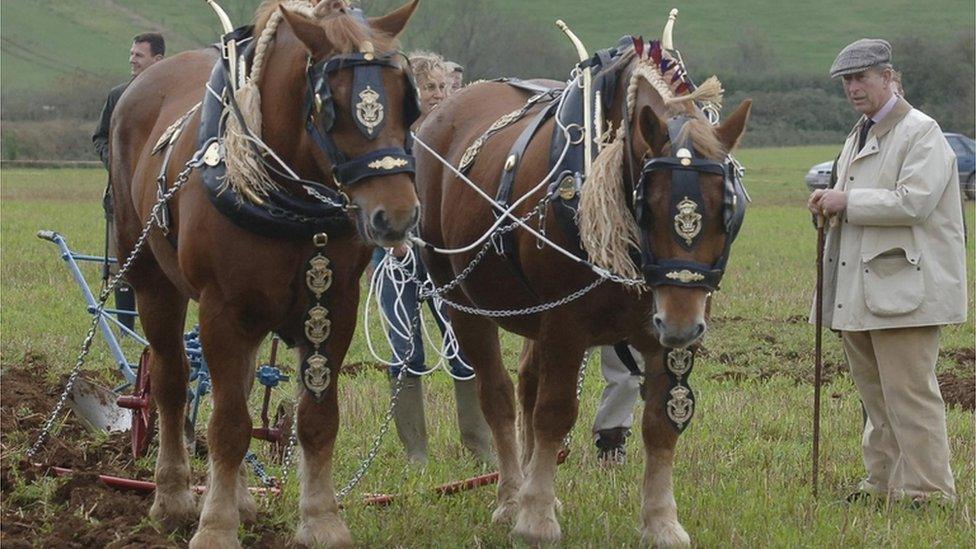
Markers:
point(861, 55)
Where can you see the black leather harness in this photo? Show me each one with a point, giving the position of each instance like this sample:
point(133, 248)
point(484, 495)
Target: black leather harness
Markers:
point(311, 208)
point(563, 190)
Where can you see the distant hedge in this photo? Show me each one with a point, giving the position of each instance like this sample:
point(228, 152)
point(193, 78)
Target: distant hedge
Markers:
point(788, 108)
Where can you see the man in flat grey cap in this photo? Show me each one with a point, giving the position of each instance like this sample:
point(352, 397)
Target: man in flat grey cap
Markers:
point(894, 274)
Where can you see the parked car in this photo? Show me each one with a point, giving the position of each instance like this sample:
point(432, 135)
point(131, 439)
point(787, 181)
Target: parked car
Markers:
point(819, 175)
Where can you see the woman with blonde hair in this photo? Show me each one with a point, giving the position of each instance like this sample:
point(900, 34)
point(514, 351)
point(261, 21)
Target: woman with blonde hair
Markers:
point(433, 84)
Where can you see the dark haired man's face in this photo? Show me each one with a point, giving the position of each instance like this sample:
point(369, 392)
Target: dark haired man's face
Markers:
point(141, 57)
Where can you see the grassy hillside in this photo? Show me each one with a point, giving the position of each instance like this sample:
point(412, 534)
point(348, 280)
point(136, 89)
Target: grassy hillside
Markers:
point(47, 39)
point(803, 35)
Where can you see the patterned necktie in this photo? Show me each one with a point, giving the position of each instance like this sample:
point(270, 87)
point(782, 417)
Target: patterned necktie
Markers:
point(863, 135)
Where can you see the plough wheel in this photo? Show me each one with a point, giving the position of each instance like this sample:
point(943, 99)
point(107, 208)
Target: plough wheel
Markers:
point(283, 418)
point(143, 416)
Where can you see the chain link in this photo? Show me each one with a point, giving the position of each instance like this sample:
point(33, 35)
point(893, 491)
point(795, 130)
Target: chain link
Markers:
point(374, 450)
point(568, 439)
point(258, 469)
point(535, 309)
point(107, 289)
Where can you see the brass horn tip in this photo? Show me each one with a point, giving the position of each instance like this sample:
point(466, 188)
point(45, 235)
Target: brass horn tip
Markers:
point(561, 24)
point(673, 13)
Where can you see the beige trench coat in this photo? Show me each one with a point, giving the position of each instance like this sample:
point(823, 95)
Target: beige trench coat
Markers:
point(897, 257)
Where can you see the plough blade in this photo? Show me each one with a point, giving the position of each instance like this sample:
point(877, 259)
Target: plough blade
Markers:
point(95, 406)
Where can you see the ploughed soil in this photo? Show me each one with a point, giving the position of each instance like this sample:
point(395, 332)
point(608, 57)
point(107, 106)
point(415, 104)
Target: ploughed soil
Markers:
point(77, 511)
point(80, 511)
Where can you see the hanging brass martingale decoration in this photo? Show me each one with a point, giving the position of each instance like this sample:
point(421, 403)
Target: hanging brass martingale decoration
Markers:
point(316, 374)
point(680, 406)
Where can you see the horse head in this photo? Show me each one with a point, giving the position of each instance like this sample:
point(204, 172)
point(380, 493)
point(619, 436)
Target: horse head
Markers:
point(667, 190)
point(342, 103)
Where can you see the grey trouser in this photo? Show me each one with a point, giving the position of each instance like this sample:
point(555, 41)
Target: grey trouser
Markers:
point(905, 444)
point(620, 393)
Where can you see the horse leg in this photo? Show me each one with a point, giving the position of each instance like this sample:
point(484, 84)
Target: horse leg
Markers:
point(318, 424)
point(247, 509)
point(162, 314)
point(527, 390)
point(553, 416)
point(659, 512)
point(478, 339)
point(229, 350)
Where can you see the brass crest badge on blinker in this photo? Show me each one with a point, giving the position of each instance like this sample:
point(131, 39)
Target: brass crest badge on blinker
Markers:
point(369, 110)
point(687, 222)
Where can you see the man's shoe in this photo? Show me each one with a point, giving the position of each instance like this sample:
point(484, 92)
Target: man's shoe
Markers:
point(922, 503)
point(861, 496)
point(610, 443)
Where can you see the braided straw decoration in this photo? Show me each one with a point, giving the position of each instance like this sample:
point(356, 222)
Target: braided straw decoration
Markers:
point(245, 170)
point(607, 229)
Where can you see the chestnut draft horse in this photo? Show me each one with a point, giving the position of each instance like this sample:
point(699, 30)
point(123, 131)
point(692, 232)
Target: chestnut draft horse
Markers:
point(664, 191)
point(336, 100)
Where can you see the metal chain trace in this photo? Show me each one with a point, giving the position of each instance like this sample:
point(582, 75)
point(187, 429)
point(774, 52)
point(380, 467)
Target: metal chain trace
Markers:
point(184, 175)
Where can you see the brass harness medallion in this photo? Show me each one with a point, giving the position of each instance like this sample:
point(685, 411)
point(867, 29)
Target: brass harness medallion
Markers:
point(680, 407)
point(318, 278)
point(687, 222)
point(369, 110)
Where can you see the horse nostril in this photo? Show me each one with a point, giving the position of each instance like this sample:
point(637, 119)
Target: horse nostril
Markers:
point(416, 216)
point(658, 322)
point(380, 221)
point(701, 329)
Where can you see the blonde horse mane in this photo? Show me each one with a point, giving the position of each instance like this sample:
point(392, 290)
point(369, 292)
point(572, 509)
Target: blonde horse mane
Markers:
point(607, 228)
point(245, 169)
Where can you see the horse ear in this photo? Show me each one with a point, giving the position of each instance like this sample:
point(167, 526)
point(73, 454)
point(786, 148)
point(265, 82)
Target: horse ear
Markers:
point(309, 32)
point(392, 23)
point(731, 130)
point(651, 130)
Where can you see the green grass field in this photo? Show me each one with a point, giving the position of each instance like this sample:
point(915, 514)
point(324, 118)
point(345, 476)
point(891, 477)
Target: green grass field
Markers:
point(45, 39)
point(743, 467)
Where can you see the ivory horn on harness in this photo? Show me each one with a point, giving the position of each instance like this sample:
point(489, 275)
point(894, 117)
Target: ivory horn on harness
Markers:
point(587, 97)
point(230, 46)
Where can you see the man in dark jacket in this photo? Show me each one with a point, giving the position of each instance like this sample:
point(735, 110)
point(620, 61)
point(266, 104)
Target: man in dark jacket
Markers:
point(146, 49)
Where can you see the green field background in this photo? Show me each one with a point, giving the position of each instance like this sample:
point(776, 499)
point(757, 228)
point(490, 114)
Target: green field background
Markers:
point(44, 40)
point(742, 474)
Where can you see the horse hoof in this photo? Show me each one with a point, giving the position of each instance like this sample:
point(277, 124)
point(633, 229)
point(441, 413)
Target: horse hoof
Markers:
point(173, 510)
point(537, 527)
point(215, 539)
point(505, 512)
point(328, 531)
point(665, 533)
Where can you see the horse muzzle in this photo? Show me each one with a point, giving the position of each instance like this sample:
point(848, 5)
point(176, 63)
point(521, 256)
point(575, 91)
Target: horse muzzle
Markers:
point(677, 335)
point(388, 227)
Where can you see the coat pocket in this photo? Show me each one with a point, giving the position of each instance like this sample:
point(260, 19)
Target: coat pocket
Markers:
point(893, 281)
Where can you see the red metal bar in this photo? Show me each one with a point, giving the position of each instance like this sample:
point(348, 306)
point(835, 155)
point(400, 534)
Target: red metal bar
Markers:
point(141, 485)
point(454, 487)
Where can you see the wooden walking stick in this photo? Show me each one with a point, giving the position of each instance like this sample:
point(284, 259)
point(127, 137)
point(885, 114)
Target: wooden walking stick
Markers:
point(818, 352)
